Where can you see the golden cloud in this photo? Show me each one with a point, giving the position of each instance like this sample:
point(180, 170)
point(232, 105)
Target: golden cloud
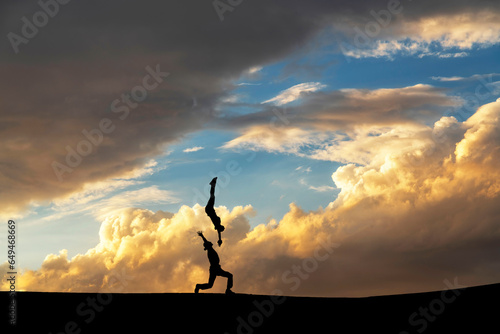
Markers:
point(455, 34)
point(400, 224)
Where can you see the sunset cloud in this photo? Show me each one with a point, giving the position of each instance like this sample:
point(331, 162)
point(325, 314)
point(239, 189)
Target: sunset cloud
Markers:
point(444, 35)
point(382, 119)
point(433, 206)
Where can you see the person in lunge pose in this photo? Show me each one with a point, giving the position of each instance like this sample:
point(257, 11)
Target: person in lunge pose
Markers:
point(215, 268)
point(209, 209)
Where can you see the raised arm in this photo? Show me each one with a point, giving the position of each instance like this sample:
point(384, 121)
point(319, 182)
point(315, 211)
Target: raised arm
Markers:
point(219, 242)
point(200, 233)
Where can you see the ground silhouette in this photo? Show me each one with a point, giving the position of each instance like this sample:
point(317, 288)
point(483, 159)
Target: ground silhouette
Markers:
point(474, 310)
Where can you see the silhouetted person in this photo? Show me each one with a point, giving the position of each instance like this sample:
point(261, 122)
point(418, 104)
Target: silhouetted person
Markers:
point(215, 268)
point(209, 209)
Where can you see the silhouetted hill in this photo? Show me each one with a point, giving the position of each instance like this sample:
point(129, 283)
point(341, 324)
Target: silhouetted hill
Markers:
point(471, 310)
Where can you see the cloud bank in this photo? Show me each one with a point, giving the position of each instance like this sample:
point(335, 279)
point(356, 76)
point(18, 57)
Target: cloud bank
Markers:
point(401, 223)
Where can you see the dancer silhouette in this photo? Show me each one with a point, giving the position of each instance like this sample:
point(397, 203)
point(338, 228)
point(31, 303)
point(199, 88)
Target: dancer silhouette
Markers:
point(215, 268)
point(209, 209)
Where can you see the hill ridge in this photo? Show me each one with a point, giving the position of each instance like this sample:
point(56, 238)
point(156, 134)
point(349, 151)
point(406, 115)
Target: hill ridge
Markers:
point(443, 311)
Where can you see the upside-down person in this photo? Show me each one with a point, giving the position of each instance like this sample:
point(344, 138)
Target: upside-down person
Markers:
point(209, 209)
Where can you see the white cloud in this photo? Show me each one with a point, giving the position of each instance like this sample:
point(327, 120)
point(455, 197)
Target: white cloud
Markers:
point(454, 78)
point(443, 36)
point(391, 48)
point(234, 98)
point(98, 190)
point(293, 93)
point(133, 198)
point(249, 84)
point(281, 140)
point(322, 189)
point(254, 70)
point(472, 77)
point(303, 169)
point(96, 197)
point(193, 149)
point(441, 54)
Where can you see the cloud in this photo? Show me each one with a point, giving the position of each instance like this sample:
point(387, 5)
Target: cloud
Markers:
point(248, 84)
point(455, 78)
point(135, 198)
point(98, 198)
point(282, 140)
point(254, 69)
point(470, 78)
point(400, 224)
point(371, 143)
point(100, 202)
point(445, 35)
point(320, 126)
point(193, 149)
point(463, 31)
point(322, 189)
point(303, 169)
point(132, 240)
point(347, 108)
point(293, 93)
point(392, 48)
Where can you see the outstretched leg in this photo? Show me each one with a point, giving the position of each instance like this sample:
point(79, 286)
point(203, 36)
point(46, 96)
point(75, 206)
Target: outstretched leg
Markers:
point(229, 276)
point(210, 211)
point(209, 208)
point(212, 187)
point(208, 285)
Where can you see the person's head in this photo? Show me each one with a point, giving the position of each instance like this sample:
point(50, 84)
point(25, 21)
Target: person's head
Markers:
point(207, 244)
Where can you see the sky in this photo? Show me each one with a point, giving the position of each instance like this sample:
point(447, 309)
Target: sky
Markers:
point(356, 144)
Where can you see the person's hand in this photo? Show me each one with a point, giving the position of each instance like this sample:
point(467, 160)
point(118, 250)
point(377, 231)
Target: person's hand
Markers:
point(200, 233)
point(219, 242)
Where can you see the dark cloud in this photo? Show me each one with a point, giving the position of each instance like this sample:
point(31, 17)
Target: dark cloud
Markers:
point(64, 80)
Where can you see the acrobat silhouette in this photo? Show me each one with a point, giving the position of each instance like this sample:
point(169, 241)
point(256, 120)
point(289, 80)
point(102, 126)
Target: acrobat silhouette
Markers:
point(209, 209)
point(215, 268)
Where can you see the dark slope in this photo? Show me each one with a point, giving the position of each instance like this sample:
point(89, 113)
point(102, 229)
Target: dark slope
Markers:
point(472, 310)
